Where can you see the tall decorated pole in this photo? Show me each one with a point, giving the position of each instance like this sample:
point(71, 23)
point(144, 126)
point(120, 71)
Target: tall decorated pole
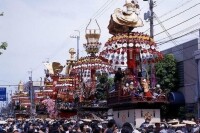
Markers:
point(92, 46)
point(87, 66)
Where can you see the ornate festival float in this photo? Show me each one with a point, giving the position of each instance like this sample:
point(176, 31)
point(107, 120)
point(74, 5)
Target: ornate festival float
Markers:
point(21, 102)
point(135, 95)
point(60, 89)
point(92, 71)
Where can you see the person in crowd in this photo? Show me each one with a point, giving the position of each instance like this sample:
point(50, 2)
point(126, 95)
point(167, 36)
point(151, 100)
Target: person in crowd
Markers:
point(163, 129)
point(170, 129)
point(111, 127)
point(118, 76)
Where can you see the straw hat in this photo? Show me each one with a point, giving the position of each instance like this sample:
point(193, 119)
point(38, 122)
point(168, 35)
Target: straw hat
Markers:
point(86, 120)
point(189, 122)
point(173, 121)
point(179, 125)
point(80, 122)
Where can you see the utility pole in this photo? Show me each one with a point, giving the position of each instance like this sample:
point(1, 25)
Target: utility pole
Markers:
point(11, 108)
point(151, 5)
point(149, 16)
point(31, 96)
point(78, 39)
point(41, 84)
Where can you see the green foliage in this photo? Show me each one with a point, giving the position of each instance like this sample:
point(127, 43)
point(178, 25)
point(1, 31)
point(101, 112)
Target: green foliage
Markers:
point(104, 83)
point(182, 112)
point(3, 46)
point(110, 81)
point(166, 73)
point(103, 78)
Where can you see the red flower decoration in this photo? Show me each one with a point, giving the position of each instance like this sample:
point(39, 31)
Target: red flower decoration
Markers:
point(144, 51)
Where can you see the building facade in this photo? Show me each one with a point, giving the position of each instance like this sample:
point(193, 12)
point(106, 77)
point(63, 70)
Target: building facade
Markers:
point(187, 56)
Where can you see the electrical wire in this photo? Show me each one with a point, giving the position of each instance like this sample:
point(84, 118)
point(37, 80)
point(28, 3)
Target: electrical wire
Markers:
point(164, 29)
point(105, 9)
point(182, 31)
point(178, 24)
point(187, 2)
point(176, 14)
point(161, 43)
point(99, 11)
point(179, 13)
point(93, 16)
point(177, 52)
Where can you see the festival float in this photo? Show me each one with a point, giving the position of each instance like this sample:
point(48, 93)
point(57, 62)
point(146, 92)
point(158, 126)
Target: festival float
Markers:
point(67, 90)
point(135, 95)
point(92, 71)
point(60, 89)
point(21, 102)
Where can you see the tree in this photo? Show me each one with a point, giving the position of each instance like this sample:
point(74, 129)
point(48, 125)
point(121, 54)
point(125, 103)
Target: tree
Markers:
point(166, 73)
point(3, 46)
point(102, 86)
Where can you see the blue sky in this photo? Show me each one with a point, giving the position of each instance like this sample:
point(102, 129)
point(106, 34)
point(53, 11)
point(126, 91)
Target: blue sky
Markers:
point(39, 30)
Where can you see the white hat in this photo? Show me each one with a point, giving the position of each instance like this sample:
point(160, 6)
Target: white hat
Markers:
point(127, 84)
point(80, 122)
point(179, 131)
point(100, 126)
point(73, 121)
point(162, 125)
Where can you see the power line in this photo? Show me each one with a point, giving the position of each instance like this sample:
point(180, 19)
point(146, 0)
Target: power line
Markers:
point(187, 2)
point(105, 9)
point(170, 12)
point(184, 30)
point(97, 12)
point(167, 33)
point(102, 8)
point(175, 15)
point(93, 16)
point(161, 43)
point(179, 13)
point(9, 85)
point(178, 24)
point(189, 46)
point(82, 26)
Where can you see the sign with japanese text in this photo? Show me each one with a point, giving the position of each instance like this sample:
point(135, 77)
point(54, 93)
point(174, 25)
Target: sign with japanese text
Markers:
point(2, 93)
